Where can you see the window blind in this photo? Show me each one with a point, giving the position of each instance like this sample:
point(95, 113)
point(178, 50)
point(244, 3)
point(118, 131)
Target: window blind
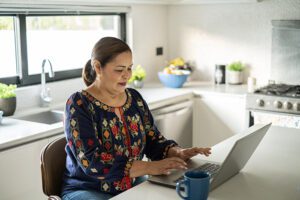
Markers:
point(33, 9)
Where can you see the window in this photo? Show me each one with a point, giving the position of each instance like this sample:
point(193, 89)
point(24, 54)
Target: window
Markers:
point(65, 39)
point(8, 67)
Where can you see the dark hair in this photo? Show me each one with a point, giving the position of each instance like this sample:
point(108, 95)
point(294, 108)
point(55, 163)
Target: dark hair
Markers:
point(105, 50)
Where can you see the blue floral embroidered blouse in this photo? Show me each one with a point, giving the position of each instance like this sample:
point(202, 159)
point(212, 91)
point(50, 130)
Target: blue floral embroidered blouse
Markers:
point(101, 147)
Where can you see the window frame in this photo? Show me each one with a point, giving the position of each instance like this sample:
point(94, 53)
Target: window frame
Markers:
point(23, 78)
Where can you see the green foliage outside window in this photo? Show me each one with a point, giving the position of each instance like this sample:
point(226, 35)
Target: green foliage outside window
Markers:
point(66, 22)
point(60, 23)
point(6, 23)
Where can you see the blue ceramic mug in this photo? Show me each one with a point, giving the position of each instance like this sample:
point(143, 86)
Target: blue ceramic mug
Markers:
point(195, 184)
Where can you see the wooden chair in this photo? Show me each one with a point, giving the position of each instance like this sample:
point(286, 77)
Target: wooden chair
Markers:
point(53, 159)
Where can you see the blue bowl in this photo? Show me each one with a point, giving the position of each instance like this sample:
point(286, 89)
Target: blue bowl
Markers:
point(172, 80)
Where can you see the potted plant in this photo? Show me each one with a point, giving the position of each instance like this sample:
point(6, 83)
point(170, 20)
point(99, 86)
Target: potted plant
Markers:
point(235, 70)
point(138, 76)
point(7, 99)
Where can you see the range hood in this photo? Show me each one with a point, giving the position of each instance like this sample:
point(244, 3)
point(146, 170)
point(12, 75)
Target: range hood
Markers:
point(285, 62)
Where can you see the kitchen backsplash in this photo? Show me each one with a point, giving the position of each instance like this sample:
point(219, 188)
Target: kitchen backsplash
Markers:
point(285, 64)
point(29, 97)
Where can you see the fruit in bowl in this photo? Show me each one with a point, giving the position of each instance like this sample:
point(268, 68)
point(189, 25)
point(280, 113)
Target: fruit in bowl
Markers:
point(175, 74)
point(173, 80)
point(169, 70)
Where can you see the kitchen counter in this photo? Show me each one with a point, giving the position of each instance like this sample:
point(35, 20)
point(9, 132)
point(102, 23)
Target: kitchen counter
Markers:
point(204, 88)
point(199, 88)
point(14, 132)
point(272, 172)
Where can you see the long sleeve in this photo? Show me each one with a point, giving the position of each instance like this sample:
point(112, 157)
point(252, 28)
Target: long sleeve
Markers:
point(157, 145)
point(85, 145)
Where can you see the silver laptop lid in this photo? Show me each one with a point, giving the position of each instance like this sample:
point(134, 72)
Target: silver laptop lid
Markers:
point(240, 153)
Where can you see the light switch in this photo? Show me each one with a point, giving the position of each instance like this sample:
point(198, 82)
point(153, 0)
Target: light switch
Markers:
point(159, 51)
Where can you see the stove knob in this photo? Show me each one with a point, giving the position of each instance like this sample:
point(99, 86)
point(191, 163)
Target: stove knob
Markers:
point(260, 102)
point(296, 106)
point(287, 105)
point(277, 104)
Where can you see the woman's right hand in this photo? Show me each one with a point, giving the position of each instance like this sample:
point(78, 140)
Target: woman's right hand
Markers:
point(165, 166)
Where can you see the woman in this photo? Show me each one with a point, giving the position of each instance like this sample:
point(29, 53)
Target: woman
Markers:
point(109, 129)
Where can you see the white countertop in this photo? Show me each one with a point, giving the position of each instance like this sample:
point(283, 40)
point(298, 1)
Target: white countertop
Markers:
point(271, 173)
point(200, 88)
point(15, 132)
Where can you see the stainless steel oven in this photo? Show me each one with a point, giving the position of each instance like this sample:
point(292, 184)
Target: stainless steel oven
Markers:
point(276, 103)
point(280, 103)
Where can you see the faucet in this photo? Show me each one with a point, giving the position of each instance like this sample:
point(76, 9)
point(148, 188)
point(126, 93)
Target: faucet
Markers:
point(45, 92)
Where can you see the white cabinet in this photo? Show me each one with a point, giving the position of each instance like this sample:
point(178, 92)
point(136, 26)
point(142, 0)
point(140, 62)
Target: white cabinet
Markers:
point(20, 171)
point(216, 117)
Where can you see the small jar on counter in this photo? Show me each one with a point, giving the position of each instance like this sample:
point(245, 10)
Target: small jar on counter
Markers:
point(220, 74)
point(251, 83)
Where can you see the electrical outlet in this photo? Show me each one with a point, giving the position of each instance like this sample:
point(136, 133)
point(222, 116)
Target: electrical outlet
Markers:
point(159, 51)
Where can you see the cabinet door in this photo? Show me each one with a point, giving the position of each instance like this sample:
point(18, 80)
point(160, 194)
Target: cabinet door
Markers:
point(20, 172)
point(218, 117)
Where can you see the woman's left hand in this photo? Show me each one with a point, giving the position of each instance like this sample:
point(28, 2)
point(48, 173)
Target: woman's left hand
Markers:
point(188, 153)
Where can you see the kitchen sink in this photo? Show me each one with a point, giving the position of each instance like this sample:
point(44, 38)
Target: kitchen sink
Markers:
point(46, 117)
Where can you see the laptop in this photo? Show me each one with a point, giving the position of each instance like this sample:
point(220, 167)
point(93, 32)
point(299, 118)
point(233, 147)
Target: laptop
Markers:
point(236, 159)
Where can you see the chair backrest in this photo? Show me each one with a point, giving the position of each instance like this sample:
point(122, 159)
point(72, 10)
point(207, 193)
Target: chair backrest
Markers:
point(53, 159)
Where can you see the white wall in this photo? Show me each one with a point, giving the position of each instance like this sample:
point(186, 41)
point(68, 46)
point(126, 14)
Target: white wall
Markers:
point(149, 30)
point(220, 33)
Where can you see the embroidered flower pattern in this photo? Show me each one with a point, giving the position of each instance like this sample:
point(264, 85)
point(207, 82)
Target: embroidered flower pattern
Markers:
point(134, 124)
point(124, 184)
point(106, 146)
point(106, 157)
point(135, 150)
point(106, 107)
point(119, 150)
point(114, 128)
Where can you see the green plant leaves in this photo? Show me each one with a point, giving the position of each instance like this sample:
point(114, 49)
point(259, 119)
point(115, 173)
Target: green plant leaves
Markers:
point(137, 74)
point(236, 66)
point(7, 91)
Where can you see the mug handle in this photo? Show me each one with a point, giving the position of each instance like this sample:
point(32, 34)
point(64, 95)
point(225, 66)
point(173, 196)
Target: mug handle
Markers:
point(178, 184)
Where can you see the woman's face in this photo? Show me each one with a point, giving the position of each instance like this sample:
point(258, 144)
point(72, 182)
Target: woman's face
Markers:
point(116, 73)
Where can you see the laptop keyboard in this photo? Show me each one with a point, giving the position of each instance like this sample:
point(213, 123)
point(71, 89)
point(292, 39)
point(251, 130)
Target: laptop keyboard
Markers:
point(211, 168)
